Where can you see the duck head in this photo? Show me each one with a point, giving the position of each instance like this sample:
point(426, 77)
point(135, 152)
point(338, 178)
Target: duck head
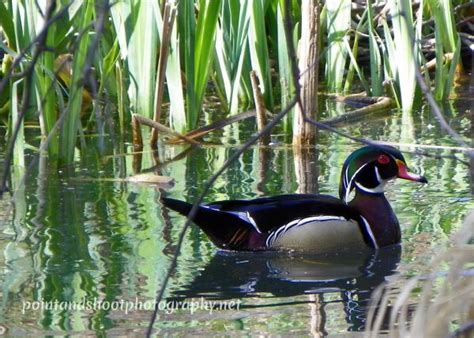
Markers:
point(368, 169)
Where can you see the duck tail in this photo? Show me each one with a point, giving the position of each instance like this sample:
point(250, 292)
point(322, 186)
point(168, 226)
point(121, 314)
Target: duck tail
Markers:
point(182, 207)
point(226, 230)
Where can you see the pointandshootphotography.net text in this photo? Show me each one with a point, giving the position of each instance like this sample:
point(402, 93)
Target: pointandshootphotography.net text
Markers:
point(126, 306)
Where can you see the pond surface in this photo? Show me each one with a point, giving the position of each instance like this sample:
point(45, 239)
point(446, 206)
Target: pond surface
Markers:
point(105, 245)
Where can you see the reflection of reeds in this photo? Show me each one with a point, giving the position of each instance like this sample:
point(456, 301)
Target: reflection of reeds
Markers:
point(445, 304)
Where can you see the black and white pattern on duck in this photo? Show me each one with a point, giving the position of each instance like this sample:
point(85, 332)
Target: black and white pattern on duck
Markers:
point(379, 189)
point(348, 183)
point(243, 215)
point(369, 233)
point(275, 235)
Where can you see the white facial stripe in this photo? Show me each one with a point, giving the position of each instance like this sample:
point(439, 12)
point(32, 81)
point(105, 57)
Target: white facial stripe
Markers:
point(377, 175)
point(346, 177)
point(348, 190)
point(369, 231)
point(377, 190)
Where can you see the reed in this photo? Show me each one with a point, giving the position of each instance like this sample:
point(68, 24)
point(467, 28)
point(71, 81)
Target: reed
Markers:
point(448, 46)
point(198, 37)
point(338, 25)
point(136, 30)
point(285, 76)
point(231, 50)
point(45, 90)
point(352, 53)
point(258, 49)
point(177, 112)
point(445, 303)
point(212, 48)
point(405, 51)
point(71, 125)
point(19, 147)
point(375, 58)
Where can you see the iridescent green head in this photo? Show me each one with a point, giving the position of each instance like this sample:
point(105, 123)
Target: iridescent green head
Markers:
point(369, 168)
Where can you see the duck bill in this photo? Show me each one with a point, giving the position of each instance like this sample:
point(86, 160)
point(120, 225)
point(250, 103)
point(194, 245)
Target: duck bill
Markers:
point(405, 174)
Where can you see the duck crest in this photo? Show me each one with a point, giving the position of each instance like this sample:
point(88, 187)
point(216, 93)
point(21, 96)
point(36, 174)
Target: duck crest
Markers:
point(363, 177)
point(368, 169)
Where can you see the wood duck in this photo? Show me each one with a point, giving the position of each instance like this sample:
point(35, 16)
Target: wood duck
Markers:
point(360, 218)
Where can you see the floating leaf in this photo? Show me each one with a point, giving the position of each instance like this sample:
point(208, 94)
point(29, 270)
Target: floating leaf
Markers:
point(149, 178)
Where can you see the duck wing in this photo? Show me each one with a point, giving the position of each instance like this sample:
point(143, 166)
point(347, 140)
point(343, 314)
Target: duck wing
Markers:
point(247, 224)
point(270, 213)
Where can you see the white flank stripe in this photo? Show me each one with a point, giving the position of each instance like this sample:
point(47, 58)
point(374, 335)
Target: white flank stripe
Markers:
point(292, 223)
point(275, 235)
point(321, 219)
point(252, 221)
point(369, 231)
point(245, 216)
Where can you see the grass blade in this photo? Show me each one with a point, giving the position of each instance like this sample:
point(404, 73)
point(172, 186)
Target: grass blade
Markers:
point(204, 51)
point(231, 48)
point(339, 23)
point(447, 41)
point(375, 59)
point(18, 148)
point(287, 87)
point(402, 22)
point(174, 83)
point(71, 121)
point(187, 30)
point(259, 54)
point(137, 32)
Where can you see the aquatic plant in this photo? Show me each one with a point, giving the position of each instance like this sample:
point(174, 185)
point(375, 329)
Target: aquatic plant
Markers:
point(103, 57)
point(438, 302)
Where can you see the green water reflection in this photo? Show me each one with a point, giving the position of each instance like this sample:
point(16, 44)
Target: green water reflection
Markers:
point(72, 240)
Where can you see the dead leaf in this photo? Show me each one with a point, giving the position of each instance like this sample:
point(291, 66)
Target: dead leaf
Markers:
point(151, 179)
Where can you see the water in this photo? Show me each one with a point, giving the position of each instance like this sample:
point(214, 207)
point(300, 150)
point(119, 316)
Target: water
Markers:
point(76, 241)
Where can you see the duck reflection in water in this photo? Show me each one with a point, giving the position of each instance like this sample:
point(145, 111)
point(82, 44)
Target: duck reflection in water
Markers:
point(243, 275)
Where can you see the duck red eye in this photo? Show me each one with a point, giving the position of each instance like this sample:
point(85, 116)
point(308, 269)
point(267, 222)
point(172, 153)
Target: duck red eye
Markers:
point(383, 159)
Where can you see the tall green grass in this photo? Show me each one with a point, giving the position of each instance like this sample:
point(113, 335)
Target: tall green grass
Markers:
point(405, 51)
point(197, 42)
point(338, 24)
point(447, 43)
point(177, 112)
point(212, 49)
point(231, 48)
point(19, 148)
point(258, 48)
point(72, 122)
point(375, 58)
point(285, 73)
point(137, 33)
